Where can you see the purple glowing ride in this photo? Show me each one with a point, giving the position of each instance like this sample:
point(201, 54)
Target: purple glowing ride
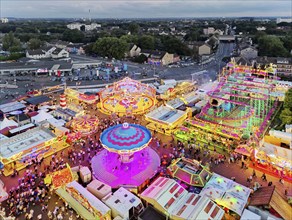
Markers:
point(126, 160)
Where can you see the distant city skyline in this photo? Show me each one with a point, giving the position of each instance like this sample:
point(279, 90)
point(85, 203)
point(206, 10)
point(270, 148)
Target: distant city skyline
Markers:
point(144, 9)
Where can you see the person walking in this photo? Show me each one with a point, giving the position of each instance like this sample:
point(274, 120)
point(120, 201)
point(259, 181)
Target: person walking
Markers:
point(254, 174)
point(264, 178)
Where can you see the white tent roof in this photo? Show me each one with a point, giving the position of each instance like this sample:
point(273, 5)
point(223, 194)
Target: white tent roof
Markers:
point(246, 215)
point(227, 193)
point(41, 116)
point(56, 123)
point(212, 192)
point(7, 123)
point(239, 191)
point(220, 182)
point(231, 202)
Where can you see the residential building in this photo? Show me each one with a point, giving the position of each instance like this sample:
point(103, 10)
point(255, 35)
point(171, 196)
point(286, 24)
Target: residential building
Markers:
point(160, 58)
point(58, 43)
point(242, 61)
point(4, 20)
point(213, 42)
point(228, 38)
point(208, 31)
point(36, 54)
point(47, 52)
point(287, 20)
point(283, 65)
point(248, 52)
point(75, 48)
point(262, 28)
point(83, 27)
point(60, 53)
point(219, 32)
point(205, 49)
point(133, 51)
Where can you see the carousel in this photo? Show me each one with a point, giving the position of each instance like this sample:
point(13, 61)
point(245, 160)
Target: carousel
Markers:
point(86, 124)
point(126, 159)
point(127, 97)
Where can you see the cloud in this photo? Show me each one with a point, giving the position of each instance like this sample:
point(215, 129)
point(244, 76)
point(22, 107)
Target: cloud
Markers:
point(142, 8)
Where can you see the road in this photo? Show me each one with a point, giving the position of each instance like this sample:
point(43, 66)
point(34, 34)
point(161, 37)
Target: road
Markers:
point(179, 73)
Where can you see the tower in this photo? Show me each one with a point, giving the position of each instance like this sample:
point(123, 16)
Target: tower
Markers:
point(63, 102)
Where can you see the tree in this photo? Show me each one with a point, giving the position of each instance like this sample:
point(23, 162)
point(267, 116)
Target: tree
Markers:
point(288, 99)
point(140, 59)
point(134, 28)
point(111, 47)
point(34, 43)
point(146, 42)
point(286, 116)
point(174, 45)
point(192, 36)
point(11, 43)
point(74, 36)
point(272, 46)
point(130, 38)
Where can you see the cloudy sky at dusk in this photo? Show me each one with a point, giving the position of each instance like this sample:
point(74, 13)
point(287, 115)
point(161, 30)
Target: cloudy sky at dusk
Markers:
point(143, 9)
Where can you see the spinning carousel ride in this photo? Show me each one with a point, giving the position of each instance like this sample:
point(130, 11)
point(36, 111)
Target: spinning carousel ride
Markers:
point(85, 124)
point(127, 97)
point(126, 159)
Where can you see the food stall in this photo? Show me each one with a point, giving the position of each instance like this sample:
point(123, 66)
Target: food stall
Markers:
point(83, 202)
point(275, 159)
point(60, 178)
point(3, 193)
point(165, 119)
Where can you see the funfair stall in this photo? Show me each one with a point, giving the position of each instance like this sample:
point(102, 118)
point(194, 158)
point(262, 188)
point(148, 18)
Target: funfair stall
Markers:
point(99, 189)
point(165, 119)
point(3, 193)
point(275, 160)
point(83, 202)
point(19, 150)
point(169, 197)
point(227, 193)
point(189, 171)
point(124, 204)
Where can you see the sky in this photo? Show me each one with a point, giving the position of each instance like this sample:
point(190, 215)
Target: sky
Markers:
point(143, 9)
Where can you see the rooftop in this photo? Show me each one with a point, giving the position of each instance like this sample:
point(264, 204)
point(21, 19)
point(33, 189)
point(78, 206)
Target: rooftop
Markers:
point(122, 200)
point(262, 196)
point(166, 114)
point(24, 141)
point(11, 106)
point(151, 213)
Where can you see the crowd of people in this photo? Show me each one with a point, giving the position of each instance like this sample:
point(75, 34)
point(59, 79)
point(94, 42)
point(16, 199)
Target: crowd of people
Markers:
point(32, 191)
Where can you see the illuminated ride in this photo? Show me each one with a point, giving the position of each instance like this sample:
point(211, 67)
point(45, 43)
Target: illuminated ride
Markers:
point(127, 97)
point(126, 159)
point(86, 124)
point(240, 108)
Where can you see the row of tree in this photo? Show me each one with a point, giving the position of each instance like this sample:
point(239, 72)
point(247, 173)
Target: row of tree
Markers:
point(286, 114)
point(117, 47)
point(274, 46)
